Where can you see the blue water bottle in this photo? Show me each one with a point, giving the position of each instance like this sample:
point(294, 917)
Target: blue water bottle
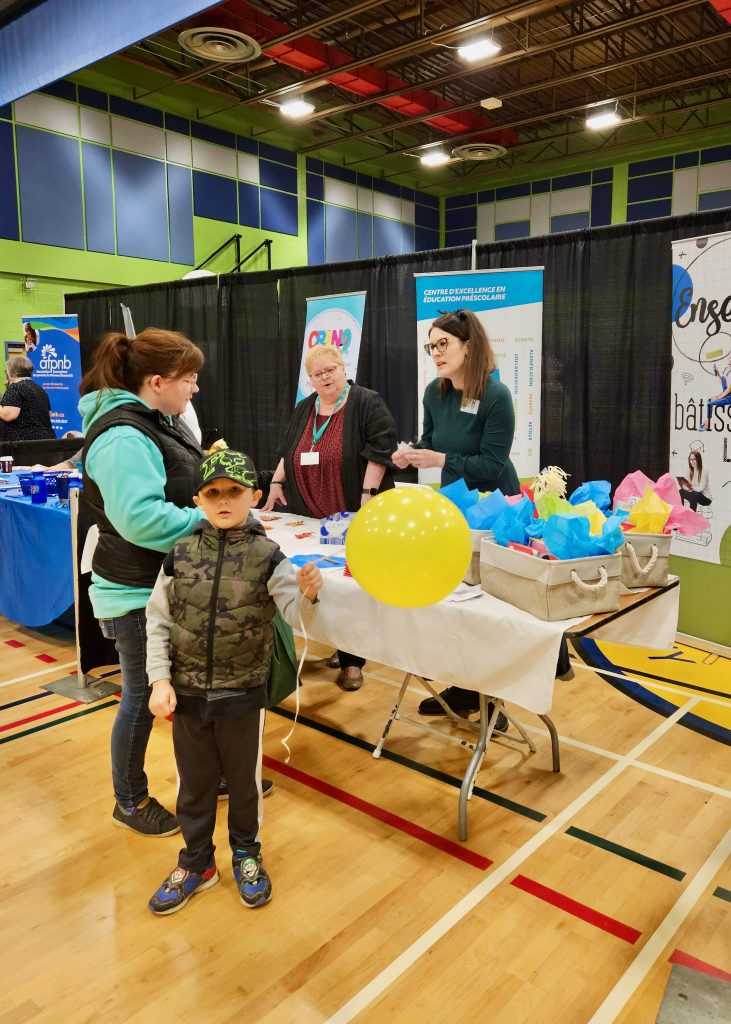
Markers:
point(38, 488)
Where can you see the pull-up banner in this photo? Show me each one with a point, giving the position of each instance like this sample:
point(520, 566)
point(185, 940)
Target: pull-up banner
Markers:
point(509, 305)
point(52, 345)
point(700, 421)
point(335, 320)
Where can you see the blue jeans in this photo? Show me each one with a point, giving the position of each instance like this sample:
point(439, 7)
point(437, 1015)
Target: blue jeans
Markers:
point(133, 724)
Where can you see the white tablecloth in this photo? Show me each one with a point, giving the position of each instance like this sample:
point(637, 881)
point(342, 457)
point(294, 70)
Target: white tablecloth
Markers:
point(482, 644)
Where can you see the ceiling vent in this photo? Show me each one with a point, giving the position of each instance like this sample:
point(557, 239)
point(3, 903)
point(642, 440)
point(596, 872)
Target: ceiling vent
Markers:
point(479, 151)
point(219, 44)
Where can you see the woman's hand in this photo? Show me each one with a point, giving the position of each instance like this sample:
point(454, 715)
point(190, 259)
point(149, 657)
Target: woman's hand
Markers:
point(424, 458)
point(276, 496)
point(163, 700)
point(401, 458)
point(309, 578)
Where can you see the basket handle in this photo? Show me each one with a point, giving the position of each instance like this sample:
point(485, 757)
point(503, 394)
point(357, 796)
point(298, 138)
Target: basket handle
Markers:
point(591, 588)
point(634, 561)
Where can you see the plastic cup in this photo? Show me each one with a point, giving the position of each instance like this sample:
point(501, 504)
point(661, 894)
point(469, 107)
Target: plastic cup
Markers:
point(24, 479)
point(38, 493)
point(6, 463)
point(51, 487)
point(62, 486)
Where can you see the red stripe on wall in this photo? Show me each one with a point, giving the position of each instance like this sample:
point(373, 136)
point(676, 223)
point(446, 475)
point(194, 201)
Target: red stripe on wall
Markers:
point(409, 827)
point(588, 914)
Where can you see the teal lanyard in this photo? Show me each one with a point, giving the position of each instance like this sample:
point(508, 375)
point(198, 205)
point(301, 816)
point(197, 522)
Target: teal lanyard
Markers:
point(317, 433)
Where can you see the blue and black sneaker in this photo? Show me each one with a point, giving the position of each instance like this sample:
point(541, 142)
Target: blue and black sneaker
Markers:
point(250, 875)
point(179, 886)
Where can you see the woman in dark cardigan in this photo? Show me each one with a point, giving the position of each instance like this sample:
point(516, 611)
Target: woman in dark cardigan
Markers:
point(336, 456)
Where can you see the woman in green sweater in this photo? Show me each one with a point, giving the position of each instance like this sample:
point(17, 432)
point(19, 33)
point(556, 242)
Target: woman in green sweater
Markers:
point(469, 422)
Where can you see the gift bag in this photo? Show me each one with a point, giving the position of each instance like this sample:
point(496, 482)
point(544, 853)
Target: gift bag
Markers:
point(283, 669)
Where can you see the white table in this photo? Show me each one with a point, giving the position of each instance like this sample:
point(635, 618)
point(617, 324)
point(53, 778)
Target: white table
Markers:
point(483, 644)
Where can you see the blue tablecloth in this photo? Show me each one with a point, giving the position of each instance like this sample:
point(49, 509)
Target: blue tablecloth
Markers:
point(36, 573)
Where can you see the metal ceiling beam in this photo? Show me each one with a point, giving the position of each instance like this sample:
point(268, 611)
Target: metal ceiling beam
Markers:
point(532, 87)
point(501, 61)
point(653, 90)
point(516, 11)
point(313, 26)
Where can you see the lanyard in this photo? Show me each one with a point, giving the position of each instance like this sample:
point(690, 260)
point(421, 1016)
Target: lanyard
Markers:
point(317, 434)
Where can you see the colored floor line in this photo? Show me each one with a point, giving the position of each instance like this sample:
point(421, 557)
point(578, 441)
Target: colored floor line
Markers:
point(41, 714)
point(576, 909)
point(686, 960)
point(672, 682)
point(723, 894)
point(626, 853)
point(457, 850)
point(24, 700)
point(417, 766)
point(59, 721)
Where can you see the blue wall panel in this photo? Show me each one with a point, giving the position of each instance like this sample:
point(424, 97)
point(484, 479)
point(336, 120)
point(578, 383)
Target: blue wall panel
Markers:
point(9, 227)
point(654, 166)
point(601, 205)
point(463, 236)
point(652, 186)
point(715, 200)
point(214, 197)
point(518, 229)
point(135, 111)
point(315, 185)
point(315, 233)
point(454, 202)
point(687, 159)
point(386, 236)
point(365, 236)
point(282, 156)
point(463, 218)
point(570, 221)
point(249, 205)
point(407, 237)
point(646, 211)
point(141, 206)
point(278, 176)
point(98, 199)
point(207, 133)
point(425, 239)
point(93, 98)
point(278, 211)
point(341, 229)
point(50, 209)
point(426, 217)
point(180, 211)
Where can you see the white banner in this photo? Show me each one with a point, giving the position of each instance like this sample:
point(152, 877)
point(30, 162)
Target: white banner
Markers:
point(700, 421)
point(509, 305)
point(335, 320)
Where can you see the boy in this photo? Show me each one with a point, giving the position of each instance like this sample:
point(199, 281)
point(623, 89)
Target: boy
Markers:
point(209, 629)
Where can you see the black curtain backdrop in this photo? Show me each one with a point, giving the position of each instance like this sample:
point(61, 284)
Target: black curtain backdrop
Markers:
point(606, 339)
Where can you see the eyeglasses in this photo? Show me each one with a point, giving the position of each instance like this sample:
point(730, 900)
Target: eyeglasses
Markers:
point(324, 374)
point(440, 346)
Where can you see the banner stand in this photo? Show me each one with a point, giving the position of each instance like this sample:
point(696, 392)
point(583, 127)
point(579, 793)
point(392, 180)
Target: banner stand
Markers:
point(89, 688)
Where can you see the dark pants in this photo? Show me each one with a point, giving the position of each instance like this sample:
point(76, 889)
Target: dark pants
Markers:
point(694, 498)
point(204, 751)
point(133, 722)
point(348, 660)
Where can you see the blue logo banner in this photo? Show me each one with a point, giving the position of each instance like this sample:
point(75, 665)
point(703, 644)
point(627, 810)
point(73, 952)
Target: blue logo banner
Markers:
point(52, 345)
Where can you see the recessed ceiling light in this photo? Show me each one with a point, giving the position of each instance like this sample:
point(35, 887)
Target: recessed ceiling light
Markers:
point(296, 108)
point(478, 50)
point(603, 118)
point(435, 158)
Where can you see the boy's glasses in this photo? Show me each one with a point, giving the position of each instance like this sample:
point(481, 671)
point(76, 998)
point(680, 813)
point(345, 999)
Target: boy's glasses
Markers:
point(324, 374)
point(439, 346)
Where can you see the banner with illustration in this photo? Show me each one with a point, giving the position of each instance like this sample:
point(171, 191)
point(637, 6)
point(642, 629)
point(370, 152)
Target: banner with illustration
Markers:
point(700, 418)
point(509, 304)
point(52, 345)
point(335, 320)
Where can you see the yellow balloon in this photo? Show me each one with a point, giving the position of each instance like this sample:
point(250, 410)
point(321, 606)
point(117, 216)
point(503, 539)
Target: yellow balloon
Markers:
point(408, 547)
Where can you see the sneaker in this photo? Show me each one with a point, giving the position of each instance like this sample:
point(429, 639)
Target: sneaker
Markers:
point(149, 820)
point(250, 875)
point(266, 787)
point(462, 702)
point(179, 886)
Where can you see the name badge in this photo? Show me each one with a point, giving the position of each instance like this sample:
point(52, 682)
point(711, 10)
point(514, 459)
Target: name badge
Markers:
point(309, 459)
point(471, 407)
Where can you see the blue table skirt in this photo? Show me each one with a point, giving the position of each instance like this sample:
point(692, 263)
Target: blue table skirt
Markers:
point(36, 572)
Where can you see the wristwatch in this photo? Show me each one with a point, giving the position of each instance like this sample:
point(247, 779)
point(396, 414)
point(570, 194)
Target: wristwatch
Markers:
point(370, 490)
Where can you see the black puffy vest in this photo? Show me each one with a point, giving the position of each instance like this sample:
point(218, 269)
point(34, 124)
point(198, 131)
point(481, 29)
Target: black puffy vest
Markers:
point(117, 559)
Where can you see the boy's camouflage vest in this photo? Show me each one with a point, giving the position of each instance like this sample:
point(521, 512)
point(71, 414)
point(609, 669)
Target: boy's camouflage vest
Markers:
point(221, 610)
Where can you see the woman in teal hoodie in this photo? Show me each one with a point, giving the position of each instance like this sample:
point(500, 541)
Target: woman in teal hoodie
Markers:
point(140, 465)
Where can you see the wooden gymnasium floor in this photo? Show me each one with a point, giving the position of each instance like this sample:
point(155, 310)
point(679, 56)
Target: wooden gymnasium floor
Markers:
point(568, 904)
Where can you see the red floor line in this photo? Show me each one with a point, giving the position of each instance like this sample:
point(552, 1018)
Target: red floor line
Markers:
point(557, 899)
point(41, 714)
point(46, 658)
point(410, 828)
point(686, 960)
point(14, 643)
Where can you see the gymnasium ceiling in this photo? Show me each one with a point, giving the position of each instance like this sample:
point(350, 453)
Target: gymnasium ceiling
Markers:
point(386, 79)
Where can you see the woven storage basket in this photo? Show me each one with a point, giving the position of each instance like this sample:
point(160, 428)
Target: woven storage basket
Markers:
point(645, 559)
point(551, 590)
point(473, 569)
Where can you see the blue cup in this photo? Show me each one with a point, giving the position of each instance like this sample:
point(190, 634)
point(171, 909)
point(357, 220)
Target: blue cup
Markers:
point(38, 493)
point(51, 487)
point(24, 479)
point(62, 486)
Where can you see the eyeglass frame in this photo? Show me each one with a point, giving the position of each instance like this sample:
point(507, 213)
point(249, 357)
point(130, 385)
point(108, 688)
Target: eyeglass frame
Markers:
point(441, 346)
point(322, 374)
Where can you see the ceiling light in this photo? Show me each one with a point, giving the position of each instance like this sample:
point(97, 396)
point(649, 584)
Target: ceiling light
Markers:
point(491, 103)
point(435, 158)
point(296, 107)
point(478, 50)
point(603, 117)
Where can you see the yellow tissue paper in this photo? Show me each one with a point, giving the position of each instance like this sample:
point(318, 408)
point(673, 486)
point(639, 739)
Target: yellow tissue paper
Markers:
point(650, 513)
point(550, 504)
point(595, 516)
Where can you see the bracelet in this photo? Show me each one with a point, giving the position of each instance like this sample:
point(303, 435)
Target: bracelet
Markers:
point(276, 483)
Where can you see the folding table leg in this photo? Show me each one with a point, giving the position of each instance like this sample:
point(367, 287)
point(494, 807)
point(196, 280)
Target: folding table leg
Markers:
point(393, 716)
point(555, 751)
point(487, 724)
